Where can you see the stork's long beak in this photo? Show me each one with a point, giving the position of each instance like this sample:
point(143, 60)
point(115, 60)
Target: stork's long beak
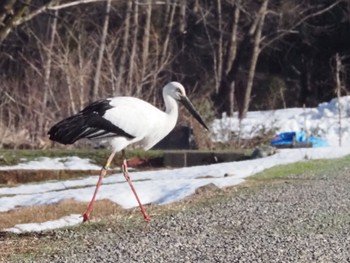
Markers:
point(189, 106)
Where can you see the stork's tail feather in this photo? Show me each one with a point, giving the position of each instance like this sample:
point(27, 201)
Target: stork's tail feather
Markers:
point(69, 130)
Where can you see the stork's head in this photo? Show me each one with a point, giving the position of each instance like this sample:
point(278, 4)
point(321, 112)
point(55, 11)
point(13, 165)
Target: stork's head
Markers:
point(177, 91)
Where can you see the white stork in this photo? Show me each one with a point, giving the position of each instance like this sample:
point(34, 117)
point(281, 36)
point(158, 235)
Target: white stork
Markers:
point(123, 121)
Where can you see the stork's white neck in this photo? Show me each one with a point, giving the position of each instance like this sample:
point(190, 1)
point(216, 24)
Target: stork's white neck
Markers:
point(171, 107)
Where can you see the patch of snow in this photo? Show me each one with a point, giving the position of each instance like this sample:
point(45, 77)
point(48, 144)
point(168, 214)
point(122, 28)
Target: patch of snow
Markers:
point(60, 163)
point(166, 186)
point(66, 221)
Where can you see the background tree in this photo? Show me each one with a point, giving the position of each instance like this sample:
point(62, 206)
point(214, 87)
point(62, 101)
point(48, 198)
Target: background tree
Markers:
point(232, 55)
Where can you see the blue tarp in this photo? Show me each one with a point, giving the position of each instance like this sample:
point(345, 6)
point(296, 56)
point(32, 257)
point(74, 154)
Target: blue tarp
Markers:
point(291, 138)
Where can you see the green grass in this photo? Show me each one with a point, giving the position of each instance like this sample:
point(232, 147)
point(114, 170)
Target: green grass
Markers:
point(153, 159)
point(302, 167)
point(97, 156)
point(12, 157)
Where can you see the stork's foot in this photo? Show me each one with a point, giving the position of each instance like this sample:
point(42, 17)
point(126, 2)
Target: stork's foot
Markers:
point(147, 218)
point(86, 217)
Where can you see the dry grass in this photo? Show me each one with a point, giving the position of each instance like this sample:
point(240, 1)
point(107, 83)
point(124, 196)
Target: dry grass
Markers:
point(44, 213)
point(19, 245)
point(13, 177)
point(102, 209)
point(14, 246)
point(105, 214)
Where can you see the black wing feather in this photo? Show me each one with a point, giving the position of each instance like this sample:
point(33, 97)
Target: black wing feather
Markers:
point(89, 123)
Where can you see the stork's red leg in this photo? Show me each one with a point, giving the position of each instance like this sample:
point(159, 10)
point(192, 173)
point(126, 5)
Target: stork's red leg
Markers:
point(86, 215)
point(127, 177)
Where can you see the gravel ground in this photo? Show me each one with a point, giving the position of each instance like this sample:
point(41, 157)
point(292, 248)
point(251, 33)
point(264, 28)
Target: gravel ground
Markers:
point(301, 219)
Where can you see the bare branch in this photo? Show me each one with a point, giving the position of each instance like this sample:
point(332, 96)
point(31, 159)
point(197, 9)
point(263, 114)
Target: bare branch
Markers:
point(300, 22)
point(79, 2)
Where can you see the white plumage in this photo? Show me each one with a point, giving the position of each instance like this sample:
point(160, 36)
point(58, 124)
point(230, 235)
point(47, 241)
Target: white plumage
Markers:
point(123, 121)
point(140, 119)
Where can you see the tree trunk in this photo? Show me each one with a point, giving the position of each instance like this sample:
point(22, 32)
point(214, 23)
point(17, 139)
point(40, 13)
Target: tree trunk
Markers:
point(182, 22)
point(231, 48)
point(170, 24)
point(338, 92)
point(218, 57)
point(255, 56)
point(224, 95)
point(94, 91)
point(81, 65)
point(305, 79)
point(122, 61)
point(183, 6)
point(47, 74)
point(145, 44)
point(132, 62)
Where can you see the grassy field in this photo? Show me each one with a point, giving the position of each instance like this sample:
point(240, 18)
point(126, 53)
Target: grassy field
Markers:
point(314, 167)
point(136, 158)
point(98, 157)
point(12, 157)
point(109, 216)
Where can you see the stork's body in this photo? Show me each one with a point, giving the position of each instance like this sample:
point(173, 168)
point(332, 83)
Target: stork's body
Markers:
point(123, 121)
point(142, 120)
